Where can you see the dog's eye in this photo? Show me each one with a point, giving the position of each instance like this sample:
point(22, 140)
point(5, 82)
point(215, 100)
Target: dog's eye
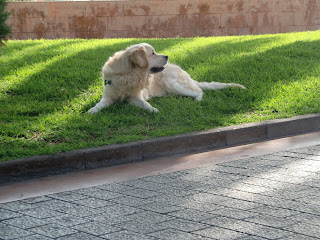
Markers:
point(153, 53)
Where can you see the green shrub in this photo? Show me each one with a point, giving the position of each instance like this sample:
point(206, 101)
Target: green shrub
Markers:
point(5, 29)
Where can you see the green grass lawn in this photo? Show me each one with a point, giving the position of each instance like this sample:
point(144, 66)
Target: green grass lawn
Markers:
point(47, 86)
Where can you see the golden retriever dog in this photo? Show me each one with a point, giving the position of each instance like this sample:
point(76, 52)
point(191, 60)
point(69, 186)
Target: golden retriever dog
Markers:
point(138, 73)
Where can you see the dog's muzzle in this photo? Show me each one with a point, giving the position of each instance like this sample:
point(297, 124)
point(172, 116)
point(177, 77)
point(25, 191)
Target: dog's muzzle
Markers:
point(159, 69)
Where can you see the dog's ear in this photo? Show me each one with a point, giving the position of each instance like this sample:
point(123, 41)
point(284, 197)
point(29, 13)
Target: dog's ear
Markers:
point(139, 57)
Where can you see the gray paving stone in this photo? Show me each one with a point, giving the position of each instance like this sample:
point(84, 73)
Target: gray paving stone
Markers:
point(204, 207)
point(185, 185)
point(67, 196)
point(236, 171)
point(33, 237)
point(274, 211)
point(240, 204)
point(93, 202)
point(275, 196)
point(142, 184)
point(258, 230)
point(170, 234)
point(132, 201)
point(80, 236)
point(117, 209)
point(142, 216)
point(252, 188)
point(297, 236)
point(305, 218)
point(67, 220)
point(292, 154)
point(140, 227)
point(250, 237)
point(127, 235)
point(52, 230)
point(313, 157)
point(163, 179)
point(41, 213)
point(141, 193)
point(193, 215)
point(115, 187)
point(150, 217)
point(305, 229)
point(160, 207)
point(313, 150)
point(169, 199)
point(7, 214)
point(275, 156)
point(310, 199)
point(183, 225)
point(25, 222)
point(98, 193)
point(54, 204)
point(220, 233)
point(36, 199)
point(208, 198)
point(96, 228)
point(241, 195)
point(80, 211)
point(220, 221)
point(16, 206)
point(178, 192)
point(307, 208)
point(271, 221)
point(291, 194)
point(107, 218)
point(11, 232)
point(235, 213)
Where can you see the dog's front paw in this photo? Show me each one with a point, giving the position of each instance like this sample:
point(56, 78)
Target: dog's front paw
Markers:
point(154, 110)
point(199, 98)
point(93, 110)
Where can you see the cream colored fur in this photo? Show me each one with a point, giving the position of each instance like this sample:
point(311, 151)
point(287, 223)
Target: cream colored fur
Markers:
point(138, 73)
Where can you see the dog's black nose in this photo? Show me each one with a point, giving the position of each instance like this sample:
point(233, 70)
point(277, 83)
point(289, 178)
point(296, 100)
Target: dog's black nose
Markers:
point(166, 57)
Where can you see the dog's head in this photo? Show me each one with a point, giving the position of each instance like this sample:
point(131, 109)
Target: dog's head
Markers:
point(144, 56)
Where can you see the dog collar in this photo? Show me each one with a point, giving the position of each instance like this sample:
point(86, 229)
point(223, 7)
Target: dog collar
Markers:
point(107, 82)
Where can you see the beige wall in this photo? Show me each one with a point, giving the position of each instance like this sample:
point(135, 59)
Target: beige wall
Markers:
point(161, 18)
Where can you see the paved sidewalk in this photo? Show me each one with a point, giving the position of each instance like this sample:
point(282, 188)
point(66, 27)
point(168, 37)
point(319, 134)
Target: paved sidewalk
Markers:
point(274, 196)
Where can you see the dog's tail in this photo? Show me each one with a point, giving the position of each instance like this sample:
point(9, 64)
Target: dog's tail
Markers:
point(217, 85)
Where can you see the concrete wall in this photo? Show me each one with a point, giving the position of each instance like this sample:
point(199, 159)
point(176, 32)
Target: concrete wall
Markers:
point(161, 18)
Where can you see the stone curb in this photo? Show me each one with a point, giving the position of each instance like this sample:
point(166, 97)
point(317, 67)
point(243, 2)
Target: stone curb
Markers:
point(91, 158)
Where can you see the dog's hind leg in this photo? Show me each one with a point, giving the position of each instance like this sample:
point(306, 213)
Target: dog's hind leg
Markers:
point(192, 91)
point(185, 91)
